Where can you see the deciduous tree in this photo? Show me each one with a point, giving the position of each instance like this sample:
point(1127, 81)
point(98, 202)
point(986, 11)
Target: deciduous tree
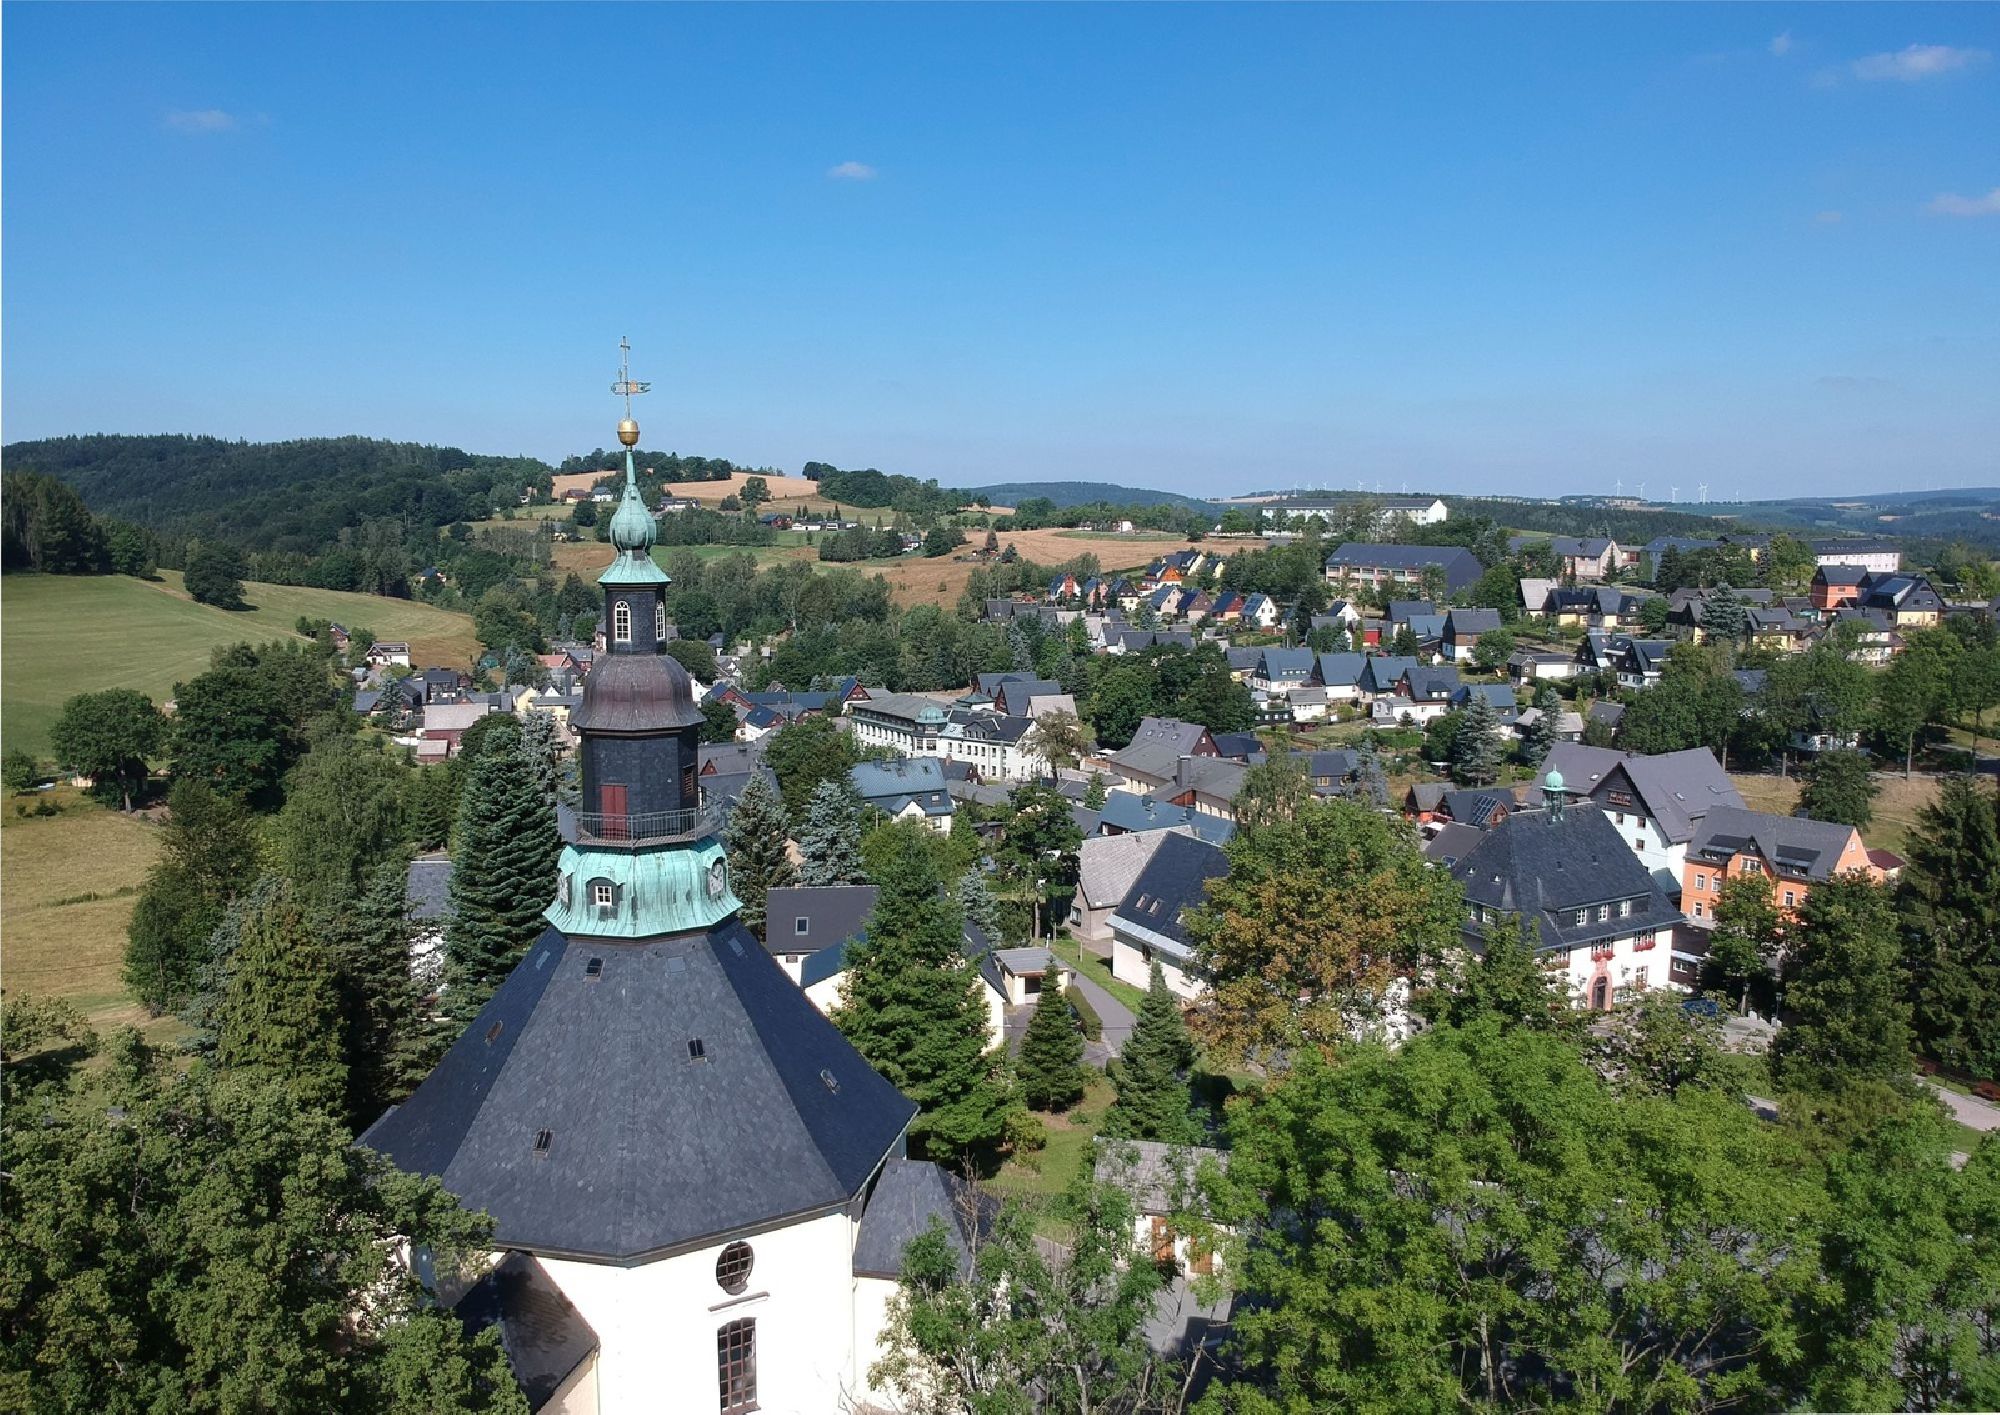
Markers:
point(109, 736)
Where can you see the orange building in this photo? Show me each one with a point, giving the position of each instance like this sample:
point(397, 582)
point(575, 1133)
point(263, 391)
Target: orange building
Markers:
point(1792, 852)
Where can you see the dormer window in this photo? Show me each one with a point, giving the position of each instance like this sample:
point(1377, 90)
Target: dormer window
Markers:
point(603, 896)
point(621, 622)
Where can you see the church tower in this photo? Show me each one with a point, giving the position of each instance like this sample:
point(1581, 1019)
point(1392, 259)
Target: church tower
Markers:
point(675, 1145)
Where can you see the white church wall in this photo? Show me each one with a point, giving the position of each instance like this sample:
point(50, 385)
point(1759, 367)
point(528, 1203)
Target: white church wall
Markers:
point(657, 1323)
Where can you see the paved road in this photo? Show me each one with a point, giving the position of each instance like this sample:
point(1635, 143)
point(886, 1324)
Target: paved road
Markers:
point(1970, 1110)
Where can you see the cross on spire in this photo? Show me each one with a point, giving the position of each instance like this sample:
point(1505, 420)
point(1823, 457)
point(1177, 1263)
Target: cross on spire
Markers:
point(626, 385)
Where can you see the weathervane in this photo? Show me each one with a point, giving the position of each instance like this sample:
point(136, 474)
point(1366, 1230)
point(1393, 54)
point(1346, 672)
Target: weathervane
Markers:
point(625, 386)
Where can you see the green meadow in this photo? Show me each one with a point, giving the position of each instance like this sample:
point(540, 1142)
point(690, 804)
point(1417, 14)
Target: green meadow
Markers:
point(66, 634)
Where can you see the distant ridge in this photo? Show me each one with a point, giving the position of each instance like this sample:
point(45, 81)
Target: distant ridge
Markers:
point(1081, 493)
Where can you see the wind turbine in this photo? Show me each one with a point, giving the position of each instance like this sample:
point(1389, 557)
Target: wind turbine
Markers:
point(1618, 487)
point(1673, 493)
point(1704, 493)
point(1642, 491)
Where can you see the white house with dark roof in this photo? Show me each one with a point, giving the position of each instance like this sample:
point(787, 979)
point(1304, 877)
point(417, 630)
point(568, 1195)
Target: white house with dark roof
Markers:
point(907, 788)
point(1656, 803)
point(1147, 928)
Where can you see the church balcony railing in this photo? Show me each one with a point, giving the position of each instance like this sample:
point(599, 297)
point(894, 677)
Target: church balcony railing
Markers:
point(635, 828)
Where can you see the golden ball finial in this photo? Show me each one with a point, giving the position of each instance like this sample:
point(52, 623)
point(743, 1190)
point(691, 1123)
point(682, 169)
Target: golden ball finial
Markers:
point(628, 432)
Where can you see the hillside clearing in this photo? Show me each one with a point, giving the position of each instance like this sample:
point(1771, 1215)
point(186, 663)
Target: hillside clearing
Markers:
point(64, 919)
point(70, 634)
point(1897, 802)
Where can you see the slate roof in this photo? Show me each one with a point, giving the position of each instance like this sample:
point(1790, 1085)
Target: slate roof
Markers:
point(832, 913)
point(1240, 746)
point(1841, 574)
point(1158, 1176)
point(1479, 809)
point(1285, 665)
point(649, 1151)
point(1185, 736)
point(1452, 843)
point(1401, 610)
point(907, 1197)
point(1796, 847)
point(1107, 865)
point(1677, 788)
point(1127, 811)
point(543, 1334)
point(1340, 670)
point(893, 785)
point(1013, 695)
point(1547, 869)
point(1471, 623)
point(1175, 879)
point(1382, 671)
point(1461, 567)
point(427, 892)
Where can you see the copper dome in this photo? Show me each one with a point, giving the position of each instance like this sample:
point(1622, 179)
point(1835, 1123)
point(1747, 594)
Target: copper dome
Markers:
point(636, 693)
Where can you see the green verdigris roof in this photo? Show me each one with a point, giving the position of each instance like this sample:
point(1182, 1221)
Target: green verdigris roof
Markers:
point(668, 890)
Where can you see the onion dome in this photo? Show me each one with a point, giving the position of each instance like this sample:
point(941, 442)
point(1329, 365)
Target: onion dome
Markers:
point(640, 693)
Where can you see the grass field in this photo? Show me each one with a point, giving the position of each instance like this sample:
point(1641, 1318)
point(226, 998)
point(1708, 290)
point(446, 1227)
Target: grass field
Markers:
point(1071, 1139)
point(1896, 803)
point(69, 634)
point(588, 558)
point(67, 886)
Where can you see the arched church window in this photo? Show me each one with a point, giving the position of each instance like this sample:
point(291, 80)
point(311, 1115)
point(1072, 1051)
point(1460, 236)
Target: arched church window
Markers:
point(659, 621)
point(621, 621)
point(732, 1268)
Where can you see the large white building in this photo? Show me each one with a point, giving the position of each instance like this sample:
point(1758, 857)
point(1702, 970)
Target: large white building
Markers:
point(1655, 803)
point(995, 745)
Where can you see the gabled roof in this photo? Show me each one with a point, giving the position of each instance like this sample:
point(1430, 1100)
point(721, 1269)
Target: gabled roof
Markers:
point(832, 914)
point(1471, 623)
point(1452, 843)
point(1184, 736)
point(1677, 788)
point(648, 1150)
point(1108, 864)
point(1795, 847)
point(893, 785)
point(1285, 665)
point(1461, 567)
point(1383, 671)
point(1175, 879)
point(1401, 609)
point(1340, 670)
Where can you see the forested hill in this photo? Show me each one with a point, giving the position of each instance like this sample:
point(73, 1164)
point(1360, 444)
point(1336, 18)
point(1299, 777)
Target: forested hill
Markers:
point(282, 496)
point(1081, 493)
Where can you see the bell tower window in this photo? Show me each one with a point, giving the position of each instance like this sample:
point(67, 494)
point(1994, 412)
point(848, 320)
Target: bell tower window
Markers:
point(621, 621)
point(659, 620)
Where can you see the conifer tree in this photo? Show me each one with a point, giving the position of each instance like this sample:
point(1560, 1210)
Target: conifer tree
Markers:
point(1475, 754)
point(977, 902)
point(209, 854)
point(1951, 914)
point(1154, 1102)
point(755, 842)
point(829, 843)
point(280, 1018)
point(1049, 1069)
point(912, 1008)
point(1542, 735)
point(1371, 782)
point(541, 748)
point(503, 877)
point(1096, 793)
point(388, 1039)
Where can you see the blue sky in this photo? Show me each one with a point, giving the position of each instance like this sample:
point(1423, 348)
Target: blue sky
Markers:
point(1466, 248)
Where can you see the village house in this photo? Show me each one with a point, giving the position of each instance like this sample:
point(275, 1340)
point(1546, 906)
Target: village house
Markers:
point(1383, 567)
point(908, 788)
point(1146, 926)
point(1792, 852)
point(1656, 803)
point(1879, 557)
point(1462, 628)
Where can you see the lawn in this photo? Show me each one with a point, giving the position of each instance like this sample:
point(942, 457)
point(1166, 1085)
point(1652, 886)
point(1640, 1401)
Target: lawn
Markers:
point(1897, 802)
point(1044, 1173)
point(1072, 951)
point(69, 634)
point(67, 886)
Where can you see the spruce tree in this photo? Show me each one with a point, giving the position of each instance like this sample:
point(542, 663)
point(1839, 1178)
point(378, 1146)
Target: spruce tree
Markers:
point(977, 903)
point(503, 876)
point(389, 1040)
point(1049, 1069)
point(911, 1006)
point(830, 840)
point(1154, 1102)
point(281, 1013)
point(1951, 915)
point(1541, 736)
point(1371, 782)
point(1096, 793)
point(1475, 753)
point(755, 842)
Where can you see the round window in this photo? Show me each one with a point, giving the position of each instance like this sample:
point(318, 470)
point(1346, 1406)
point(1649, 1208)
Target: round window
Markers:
point(732, 1269)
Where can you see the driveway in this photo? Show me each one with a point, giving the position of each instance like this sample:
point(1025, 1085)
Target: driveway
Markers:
point(1116, 1016)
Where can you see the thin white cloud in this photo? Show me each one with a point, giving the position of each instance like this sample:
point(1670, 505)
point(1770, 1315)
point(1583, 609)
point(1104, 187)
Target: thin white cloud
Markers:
point(200, 120)
point(1781, 44)
point(1952, 204)
point(852, 172)
point(1827, 218)
point(1918, 61)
